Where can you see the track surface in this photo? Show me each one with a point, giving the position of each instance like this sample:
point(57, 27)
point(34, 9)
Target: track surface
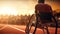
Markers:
point(20, 29)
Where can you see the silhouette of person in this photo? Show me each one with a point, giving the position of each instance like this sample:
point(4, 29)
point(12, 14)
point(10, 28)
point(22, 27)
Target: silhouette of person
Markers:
point(44, 11)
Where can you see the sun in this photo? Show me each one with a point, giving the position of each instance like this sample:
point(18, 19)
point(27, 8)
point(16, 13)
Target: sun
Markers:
point(8, 11)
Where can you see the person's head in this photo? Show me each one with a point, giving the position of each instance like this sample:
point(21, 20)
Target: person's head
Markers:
point(41, 1)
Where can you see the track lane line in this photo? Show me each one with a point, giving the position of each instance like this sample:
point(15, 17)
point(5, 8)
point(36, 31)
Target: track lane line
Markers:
point(3, 26)
point(17, 29)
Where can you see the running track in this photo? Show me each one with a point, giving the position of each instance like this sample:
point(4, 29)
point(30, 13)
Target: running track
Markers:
point(20, 29)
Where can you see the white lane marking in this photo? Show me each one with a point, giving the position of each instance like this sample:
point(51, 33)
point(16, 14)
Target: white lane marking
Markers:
point(4, 26)
point(17, 29)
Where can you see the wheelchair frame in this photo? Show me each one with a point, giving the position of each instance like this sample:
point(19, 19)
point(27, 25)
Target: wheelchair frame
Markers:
point(29, 26)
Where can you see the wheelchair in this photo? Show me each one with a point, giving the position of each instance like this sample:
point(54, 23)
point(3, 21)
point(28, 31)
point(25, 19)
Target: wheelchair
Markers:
point(35, 22)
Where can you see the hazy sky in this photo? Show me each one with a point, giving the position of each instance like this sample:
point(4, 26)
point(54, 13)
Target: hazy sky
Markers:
point(25, 6)
point(22, 7)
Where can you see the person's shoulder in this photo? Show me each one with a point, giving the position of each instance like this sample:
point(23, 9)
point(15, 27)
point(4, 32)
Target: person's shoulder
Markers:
point(47, 5)
point(39, 4)
point(42, 4)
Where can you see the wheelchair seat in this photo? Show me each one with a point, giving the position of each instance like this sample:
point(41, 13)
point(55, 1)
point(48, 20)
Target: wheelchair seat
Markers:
point(45, 17)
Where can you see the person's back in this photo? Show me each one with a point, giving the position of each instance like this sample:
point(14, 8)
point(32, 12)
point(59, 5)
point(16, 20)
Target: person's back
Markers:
point(44, 11)
point(41, 7)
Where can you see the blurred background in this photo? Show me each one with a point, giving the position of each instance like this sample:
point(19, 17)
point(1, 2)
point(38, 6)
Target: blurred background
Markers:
point(18, 12)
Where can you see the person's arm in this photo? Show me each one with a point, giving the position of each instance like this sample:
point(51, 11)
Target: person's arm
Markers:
point(35, 11)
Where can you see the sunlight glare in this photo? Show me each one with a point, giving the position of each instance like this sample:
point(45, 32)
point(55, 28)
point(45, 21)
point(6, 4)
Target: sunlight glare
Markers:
point(26, 12)
point(8, 11)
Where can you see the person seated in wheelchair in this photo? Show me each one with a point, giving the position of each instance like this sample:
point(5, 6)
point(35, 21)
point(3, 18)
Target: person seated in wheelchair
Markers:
point(44, 11)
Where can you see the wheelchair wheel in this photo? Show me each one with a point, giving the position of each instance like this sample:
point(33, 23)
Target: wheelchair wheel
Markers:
point(30, 26)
